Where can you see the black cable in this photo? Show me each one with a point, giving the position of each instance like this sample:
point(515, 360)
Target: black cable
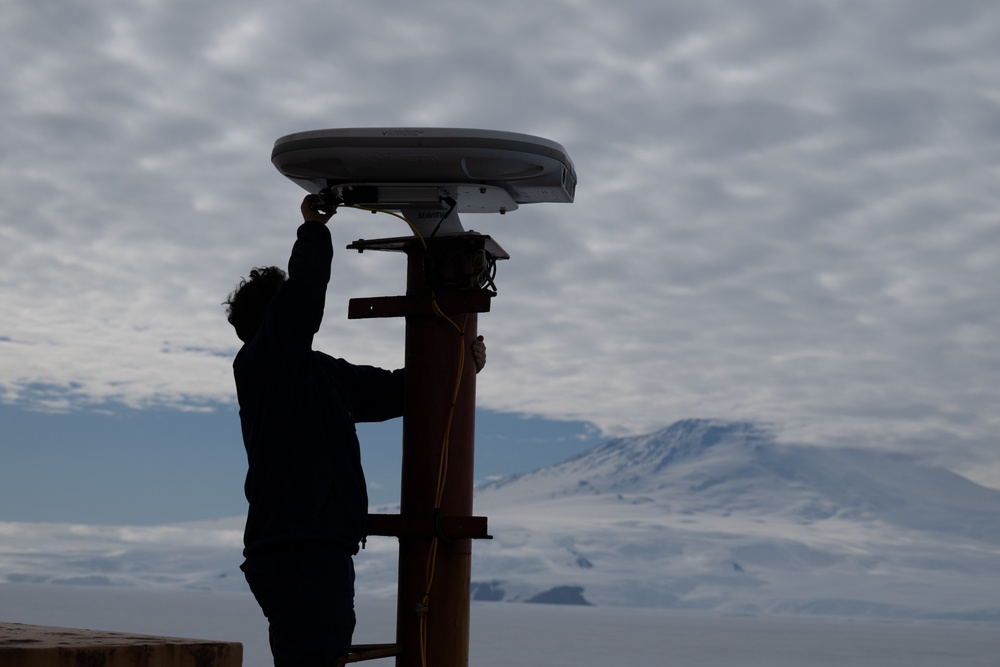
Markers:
point(451, 207)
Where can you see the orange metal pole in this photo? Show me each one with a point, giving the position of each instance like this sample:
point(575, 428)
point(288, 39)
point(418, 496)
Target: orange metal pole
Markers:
point(432, 625)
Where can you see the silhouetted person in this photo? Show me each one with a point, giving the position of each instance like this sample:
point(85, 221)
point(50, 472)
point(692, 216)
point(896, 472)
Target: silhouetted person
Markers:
point(305, 486)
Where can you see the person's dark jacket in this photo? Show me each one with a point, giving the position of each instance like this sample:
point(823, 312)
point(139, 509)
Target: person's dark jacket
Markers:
point(298, 408)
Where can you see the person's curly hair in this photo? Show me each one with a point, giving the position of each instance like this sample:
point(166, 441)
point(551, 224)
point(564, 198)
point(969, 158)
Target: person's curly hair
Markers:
point(246, 305)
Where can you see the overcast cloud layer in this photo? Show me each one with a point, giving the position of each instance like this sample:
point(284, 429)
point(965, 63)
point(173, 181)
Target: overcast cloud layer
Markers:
point(787, 211)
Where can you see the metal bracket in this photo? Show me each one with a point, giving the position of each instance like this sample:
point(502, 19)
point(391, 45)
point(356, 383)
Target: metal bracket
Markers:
point(444, 527)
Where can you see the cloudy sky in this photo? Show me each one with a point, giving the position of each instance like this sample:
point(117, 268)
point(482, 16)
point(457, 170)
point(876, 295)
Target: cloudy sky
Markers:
point(787, 210)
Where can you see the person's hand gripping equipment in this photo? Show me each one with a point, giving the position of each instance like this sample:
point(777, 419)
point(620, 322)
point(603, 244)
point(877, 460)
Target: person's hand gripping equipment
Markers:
point(479, 353)
point(314, 209)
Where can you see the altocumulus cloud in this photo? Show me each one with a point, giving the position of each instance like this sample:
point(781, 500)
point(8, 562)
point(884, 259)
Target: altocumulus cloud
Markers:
point(787, 211)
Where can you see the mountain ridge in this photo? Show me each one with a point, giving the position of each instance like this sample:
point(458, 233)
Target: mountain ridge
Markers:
point(702, 454)
point(719, 515)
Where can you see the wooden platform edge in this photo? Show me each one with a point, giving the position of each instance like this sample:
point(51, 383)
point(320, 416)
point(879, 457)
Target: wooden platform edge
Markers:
point(44, 646)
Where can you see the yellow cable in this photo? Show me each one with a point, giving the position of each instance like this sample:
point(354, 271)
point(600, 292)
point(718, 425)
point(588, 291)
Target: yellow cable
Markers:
point(413, 228)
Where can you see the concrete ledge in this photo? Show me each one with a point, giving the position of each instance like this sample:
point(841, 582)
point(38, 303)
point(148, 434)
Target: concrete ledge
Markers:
point(39, 646)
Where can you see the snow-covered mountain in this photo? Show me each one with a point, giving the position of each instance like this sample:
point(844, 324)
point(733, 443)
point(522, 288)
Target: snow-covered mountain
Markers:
point(705, 515)
point(717, 515)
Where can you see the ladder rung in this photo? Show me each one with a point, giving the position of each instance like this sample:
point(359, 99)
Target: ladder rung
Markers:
point(360, 652)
